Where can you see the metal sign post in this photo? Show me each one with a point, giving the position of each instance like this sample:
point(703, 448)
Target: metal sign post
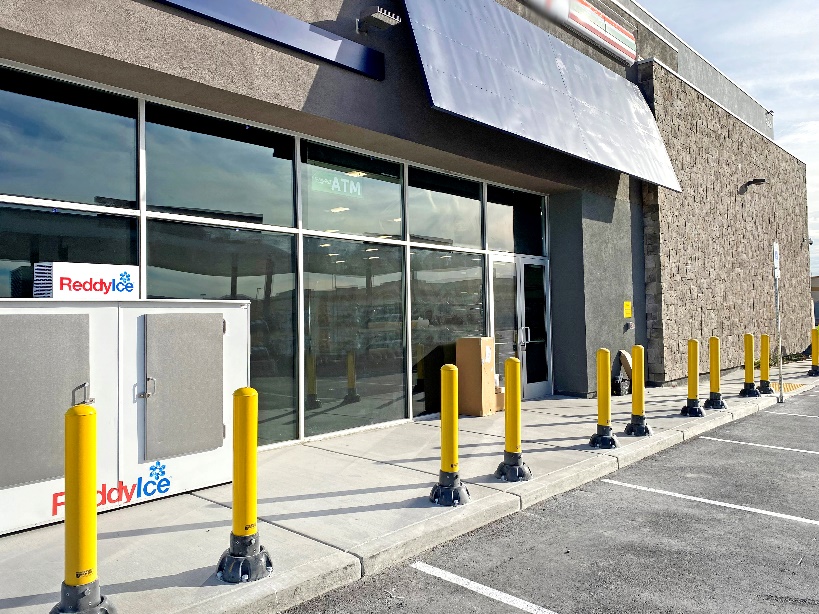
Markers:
point(781, 397)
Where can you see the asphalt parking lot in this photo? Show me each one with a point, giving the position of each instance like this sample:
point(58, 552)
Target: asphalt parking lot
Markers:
point(727, 522)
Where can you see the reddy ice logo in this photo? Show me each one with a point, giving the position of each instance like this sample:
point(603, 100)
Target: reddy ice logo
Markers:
point(122, 493)
point(97, 285)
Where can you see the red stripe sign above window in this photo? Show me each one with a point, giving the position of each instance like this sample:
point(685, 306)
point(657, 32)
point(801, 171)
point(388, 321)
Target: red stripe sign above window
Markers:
point(592, 24)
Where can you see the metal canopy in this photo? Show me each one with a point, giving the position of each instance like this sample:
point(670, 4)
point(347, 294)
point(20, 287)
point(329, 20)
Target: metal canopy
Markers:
point(487, 64)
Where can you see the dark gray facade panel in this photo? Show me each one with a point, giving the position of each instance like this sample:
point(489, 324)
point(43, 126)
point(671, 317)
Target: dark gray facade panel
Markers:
point(568, 298)
point(183, 357)
point(487, 64)
point(276, 27)
point(608, 260)
point(44, 358)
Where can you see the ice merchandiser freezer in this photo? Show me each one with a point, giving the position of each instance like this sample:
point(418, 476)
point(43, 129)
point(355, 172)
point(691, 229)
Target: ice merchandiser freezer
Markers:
point(161, 375)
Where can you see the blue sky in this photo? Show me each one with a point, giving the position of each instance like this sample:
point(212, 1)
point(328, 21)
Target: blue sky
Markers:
point(771, 50)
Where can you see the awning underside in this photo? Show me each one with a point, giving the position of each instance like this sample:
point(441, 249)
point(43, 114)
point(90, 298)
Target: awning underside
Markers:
point(487, 64)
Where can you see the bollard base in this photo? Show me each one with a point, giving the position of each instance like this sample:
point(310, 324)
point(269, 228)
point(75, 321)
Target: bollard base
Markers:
point(715, 401)
point(84, 599)
point(604, 439)
point(814, 371)
point(352, 396)
point(765, 387)
point(449, 491)
point(245, 561)
point(312, 402)
point(638, 427)
point(692, 408)
point(749, 390)
point(513, 469)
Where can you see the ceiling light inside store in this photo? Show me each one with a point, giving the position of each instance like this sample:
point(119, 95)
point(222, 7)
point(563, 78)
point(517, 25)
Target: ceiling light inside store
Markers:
point(333, 230)
point(334, 254)
point(447, 256)
point(325, 245)
point(340, 261)
point(373, 257)
point(339, 209)
point(372, 249)
point(398, 219)
point(357, 174)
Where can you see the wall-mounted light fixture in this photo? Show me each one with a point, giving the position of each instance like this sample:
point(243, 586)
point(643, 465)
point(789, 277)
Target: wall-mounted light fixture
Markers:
point(375, 17)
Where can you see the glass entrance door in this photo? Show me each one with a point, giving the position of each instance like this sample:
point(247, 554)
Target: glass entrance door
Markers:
point(521, 320)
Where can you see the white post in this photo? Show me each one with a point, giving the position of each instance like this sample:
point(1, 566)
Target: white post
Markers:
point(781, 397)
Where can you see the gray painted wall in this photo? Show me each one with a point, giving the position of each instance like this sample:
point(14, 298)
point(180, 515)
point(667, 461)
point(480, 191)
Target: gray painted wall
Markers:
point(597, 264)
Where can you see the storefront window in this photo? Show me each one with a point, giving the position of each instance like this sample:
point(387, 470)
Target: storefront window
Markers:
point(187, 261)
point(29, 235)
point(354, 334)
point(443, 209)
point(350, 193)
point(65, 142)
point(514, 221)
point(207, 167)
point(447, 304)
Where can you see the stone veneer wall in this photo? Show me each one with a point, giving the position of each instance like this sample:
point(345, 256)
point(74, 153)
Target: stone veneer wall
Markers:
point(709, 249)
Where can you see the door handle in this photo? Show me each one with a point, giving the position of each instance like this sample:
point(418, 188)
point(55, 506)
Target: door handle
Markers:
point(148, 393)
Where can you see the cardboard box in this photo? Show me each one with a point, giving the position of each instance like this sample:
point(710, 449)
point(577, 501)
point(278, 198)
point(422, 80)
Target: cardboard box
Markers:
point(475, 359)
point(500, 399)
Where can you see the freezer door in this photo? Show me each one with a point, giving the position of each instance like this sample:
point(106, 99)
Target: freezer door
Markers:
point(183, 390)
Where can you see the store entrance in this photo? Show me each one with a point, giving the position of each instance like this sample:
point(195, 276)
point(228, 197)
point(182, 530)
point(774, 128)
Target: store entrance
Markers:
point(521, 320)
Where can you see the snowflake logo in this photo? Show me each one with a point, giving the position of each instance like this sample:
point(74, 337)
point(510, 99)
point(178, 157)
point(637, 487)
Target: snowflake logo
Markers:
point(124, 277)
point(157, 470)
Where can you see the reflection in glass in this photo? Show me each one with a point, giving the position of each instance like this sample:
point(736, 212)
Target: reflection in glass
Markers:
point(447, 304)
point(443, 209)
point(350, 193)
point(504, 286)
point(514, 221)
point(534, 295)
point(187, 261)
point(354, 334)
point(199, 165)
point(29, 235)
point(65, 142)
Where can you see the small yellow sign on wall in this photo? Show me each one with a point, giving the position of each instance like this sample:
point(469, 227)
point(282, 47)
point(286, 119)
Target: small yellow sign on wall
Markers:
point(627, 309)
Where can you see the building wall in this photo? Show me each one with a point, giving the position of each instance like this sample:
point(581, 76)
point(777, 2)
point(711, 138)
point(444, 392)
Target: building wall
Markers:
point(152, 49)
point(597, 265)
point(698, 71)
point(708, 249)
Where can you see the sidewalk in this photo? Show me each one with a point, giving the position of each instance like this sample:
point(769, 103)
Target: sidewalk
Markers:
point(334, 510)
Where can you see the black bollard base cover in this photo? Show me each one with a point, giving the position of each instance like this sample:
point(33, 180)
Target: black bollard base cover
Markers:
point(449, 491)
point(84, 599)
point(312, 402)
point(352, 396)
point(513, 469)
point(638, 427)
point(715, 401)
point(814, 371)
point(765, 387)
point(692, 408)
point(245, 561)
point(604, 438)
point(749, 390)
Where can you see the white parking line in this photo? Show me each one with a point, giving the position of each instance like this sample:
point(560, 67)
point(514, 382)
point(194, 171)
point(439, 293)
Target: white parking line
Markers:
point(781, 413)
point(712, 502)
point(520, 604)
point(759, 445)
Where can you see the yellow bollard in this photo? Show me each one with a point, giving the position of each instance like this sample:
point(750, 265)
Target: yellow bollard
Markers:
point(638, 425)
point(352, 395)
point(748, 388)
point(604, 438)
point(449, 490)
point(80, 591)
point(765, 365)
point(513, 469)
point(714, 400)
point(312, 401)
point(692, 405)
point(814, 352)
point(246, 559)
